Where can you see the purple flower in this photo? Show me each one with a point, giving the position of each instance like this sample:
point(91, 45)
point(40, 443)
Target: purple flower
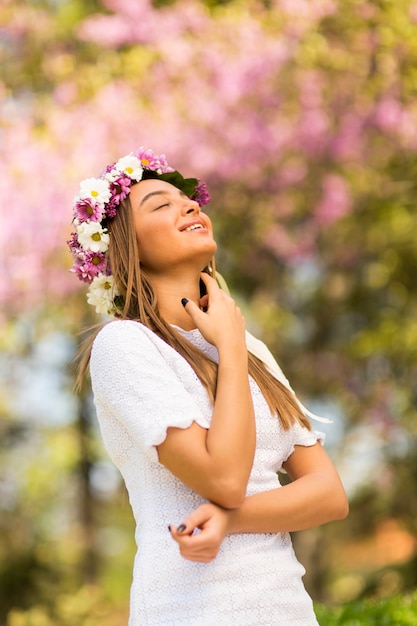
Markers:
point(87, 210)
point(98, 201)
point(120, 188)
point(89, 264)
point(109, 168)
point(73, 244)
point(111, 208)
point(201, 195)
point(151, 161)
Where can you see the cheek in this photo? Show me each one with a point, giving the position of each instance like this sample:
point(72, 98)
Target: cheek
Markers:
point(153, 250)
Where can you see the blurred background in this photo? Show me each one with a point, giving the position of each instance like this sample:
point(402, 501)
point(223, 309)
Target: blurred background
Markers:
point(301, 115)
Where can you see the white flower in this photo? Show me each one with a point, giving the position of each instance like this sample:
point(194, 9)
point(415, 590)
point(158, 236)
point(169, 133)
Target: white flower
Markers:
point(101, 294)
point(131, 166)
point(92, 236)
point(112, 176)
point(97, 189)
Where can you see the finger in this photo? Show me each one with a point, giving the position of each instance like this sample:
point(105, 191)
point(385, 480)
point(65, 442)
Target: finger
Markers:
point(213, 289)
point(203, 301)
point(199, 547)
point(181, 533)
point(210, 283)
point(195, 520)
point(198, 558)
point(193, 310)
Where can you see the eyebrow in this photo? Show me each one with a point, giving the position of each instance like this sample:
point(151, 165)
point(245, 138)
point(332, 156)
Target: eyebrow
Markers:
point(160, 192)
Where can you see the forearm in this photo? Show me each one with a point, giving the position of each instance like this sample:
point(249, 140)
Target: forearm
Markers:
point(309, 501)
point(216, 462)
point(314, 499)
point(231, 438)
point(315, 496)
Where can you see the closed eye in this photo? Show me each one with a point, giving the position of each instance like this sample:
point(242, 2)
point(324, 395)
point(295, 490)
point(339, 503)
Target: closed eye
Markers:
point(161, 206)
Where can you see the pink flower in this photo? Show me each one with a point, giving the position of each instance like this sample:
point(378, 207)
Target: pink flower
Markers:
point(73, 244)
point(201, 195)
point(87, 210)
point(336, 200)
point(88, 265)
point(389, 114)
point(120, 188)
point(150, 161)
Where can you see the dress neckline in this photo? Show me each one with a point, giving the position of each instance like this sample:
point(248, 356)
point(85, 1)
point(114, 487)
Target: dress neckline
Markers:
point(193, 331)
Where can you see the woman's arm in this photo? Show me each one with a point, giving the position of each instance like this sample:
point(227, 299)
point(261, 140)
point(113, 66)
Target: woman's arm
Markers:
point(216, 463)
point(315, 496)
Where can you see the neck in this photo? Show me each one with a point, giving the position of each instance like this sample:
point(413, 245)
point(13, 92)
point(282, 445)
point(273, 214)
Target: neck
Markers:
point(170, 290)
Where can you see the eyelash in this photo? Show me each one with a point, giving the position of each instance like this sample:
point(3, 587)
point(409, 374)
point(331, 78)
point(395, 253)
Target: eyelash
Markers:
point(162, 206)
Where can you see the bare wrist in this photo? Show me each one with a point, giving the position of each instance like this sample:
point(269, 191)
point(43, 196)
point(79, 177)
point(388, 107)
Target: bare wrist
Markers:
point(232, 517)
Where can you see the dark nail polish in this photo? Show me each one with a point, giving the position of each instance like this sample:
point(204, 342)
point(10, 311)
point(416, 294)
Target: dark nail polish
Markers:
point(181, 528)
point(184, 301)
point(169, 527)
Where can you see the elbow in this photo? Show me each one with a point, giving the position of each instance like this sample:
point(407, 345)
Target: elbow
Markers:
point(340, 506)
point(343, 510)
point(229, 495)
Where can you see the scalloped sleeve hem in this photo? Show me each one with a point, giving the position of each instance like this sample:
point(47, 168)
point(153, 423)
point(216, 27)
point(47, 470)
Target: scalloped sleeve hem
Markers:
point(142, 387)
point(300, 436)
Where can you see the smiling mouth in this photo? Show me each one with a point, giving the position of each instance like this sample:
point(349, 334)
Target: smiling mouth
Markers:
point(194, 227)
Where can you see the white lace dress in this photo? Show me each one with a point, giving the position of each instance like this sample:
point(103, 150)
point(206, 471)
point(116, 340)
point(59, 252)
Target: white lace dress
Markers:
point(141, 387)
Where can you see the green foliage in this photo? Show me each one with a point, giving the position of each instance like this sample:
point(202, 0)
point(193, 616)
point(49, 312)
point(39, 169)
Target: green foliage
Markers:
point(87, 606)
point(394, 611)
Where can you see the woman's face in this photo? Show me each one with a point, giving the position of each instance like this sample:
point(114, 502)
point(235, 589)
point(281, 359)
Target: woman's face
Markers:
point(170, 228)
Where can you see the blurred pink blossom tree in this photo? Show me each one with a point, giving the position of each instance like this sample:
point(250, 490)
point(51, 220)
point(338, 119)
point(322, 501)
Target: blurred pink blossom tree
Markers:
point(289, 110)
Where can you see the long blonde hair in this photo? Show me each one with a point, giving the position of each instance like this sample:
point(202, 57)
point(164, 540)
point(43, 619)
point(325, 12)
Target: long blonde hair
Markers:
point(140, 304)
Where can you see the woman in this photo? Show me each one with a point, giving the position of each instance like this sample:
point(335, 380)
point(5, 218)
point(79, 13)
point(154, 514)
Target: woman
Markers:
point(196, 423)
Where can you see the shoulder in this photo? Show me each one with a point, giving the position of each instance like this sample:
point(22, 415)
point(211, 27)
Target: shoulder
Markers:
point(119, 332)
point(124, 339)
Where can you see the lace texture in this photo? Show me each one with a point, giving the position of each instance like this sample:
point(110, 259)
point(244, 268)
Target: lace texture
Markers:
point(142, 387)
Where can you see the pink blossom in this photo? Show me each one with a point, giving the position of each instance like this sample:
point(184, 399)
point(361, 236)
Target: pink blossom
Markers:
point(88, 265)
point(232, 89)
point(284, 245)
point(65, 93)
point(119, 189)
point(312, 130)
point(151, 161)
point(388, 114)
point(348, 142)
point(201, 194)
point(412, 12)
point(88, 210)
point(335, 202)
point(73, 243)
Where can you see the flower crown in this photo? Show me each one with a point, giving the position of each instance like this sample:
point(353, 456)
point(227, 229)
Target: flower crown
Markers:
point(97, 202)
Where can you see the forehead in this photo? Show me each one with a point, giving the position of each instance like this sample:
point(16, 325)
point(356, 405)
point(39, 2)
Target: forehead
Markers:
point(139, 191)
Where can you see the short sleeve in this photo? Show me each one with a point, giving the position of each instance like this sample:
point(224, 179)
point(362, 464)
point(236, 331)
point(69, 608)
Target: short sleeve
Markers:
point(298, 435)
point(142, 384)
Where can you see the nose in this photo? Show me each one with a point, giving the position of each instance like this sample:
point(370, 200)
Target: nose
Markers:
point(190, 206)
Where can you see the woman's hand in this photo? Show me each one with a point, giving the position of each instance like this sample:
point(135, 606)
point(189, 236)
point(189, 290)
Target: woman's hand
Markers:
point(200, 535)
point(222, 324)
